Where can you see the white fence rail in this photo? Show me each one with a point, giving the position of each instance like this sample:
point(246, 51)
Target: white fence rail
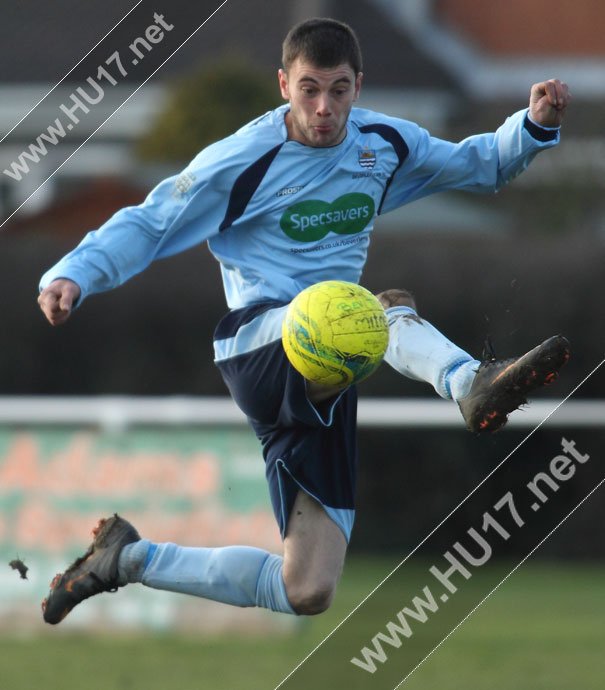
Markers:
point(118, 412)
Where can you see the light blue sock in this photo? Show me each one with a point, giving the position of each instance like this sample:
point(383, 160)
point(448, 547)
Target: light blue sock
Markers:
point(237, 575)
point(419, 351)
point(460, 377)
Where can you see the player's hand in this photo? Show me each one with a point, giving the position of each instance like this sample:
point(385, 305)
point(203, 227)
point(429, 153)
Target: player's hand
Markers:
point(57, 300)
point(548, 101)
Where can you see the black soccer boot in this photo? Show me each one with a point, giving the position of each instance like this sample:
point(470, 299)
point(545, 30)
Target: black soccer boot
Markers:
point(94, 572)
point(501, 386)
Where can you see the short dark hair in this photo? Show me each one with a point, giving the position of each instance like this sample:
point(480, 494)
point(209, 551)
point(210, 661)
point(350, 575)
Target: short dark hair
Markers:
point(323, 43)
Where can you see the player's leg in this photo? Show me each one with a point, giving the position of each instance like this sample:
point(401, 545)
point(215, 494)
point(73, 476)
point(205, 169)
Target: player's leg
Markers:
point(303, 581)
point(238, 575)
point(419, 351)
point(314, 554)
point(318, 393)
point(486, 391)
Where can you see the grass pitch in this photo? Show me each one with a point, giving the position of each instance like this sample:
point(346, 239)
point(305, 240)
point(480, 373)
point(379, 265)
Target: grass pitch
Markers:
point(542, 630)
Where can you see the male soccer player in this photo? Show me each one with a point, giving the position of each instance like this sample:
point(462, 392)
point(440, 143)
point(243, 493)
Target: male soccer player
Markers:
point(287, 201)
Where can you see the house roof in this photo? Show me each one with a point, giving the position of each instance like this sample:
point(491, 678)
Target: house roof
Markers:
point(517, 27)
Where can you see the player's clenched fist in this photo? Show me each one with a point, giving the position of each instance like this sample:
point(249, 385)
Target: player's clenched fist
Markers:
point(57, 300)
point(548, 101)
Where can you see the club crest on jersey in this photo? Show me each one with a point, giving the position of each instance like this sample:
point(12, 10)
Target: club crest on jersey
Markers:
point(367, 158)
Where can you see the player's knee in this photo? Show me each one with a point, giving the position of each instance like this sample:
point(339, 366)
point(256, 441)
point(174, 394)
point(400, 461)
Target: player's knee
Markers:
point(316, 393)
point(311, 599)
point(396, 298)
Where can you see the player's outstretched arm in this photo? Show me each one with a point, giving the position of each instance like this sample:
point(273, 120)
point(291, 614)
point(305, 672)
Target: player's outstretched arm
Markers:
point(57, 299)
point(548, 101)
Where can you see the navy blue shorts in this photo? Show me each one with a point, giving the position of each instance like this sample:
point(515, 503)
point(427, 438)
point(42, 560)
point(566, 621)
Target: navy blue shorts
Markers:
point(307, 447)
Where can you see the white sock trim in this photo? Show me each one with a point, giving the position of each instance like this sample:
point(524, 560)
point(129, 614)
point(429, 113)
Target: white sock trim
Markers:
point(393, 312)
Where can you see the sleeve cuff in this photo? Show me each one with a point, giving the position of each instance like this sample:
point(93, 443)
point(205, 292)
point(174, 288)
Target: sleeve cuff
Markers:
point(539, 132)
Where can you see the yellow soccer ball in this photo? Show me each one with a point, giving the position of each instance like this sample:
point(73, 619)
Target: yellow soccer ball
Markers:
point(335, 333)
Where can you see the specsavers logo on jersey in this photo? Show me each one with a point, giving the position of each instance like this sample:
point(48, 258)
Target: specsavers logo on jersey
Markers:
point(309, 221)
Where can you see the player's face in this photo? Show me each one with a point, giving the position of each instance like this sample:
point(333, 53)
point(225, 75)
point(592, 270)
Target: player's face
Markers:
point(320, 101)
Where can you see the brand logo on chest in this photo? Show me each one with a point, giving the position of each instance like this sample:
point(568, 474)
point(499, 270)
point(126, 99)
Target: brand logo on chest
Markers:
point(313, 219)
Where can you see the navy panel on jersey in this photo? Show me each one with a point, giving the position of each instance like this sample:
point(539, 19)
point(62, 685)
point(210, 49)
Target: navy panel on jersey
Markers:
point(394, 138)
point(245, 186)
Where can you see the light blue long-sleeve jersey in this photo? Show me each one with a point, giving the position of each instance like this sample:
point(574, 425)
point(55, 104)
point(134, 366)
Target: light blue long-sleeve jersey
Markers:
point(279, 215)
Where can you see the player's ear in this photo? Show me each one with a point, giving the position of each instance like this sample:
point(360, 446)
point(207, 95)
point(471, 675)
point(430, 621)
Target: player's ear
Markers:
point(358, 80)
point(282, 77)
